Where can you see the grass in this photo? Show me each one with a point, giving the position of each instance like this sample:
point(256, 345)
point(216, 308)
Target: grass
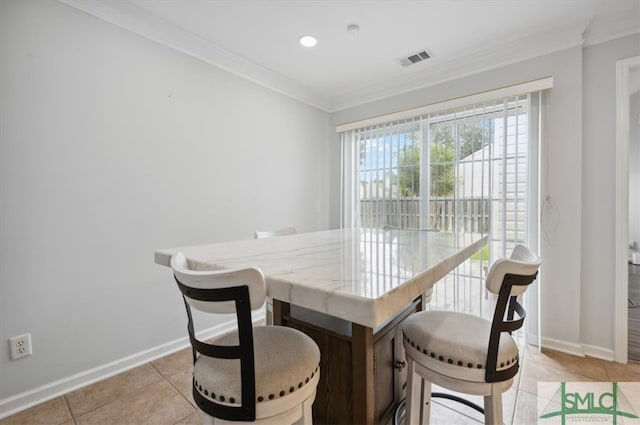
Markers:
point(481, 254)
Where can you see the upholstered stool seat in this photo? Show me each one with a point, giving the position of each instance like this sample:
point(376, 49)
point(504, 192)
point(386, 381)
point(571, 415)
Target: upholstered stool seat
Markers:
point(455, 344)
point(286, 363)
point(466, 353)
point(262, 374)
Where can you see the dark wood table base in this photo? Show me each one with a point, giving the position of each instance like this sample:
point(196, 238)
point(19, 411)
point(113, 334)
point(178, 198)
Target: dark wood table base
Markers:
point(362, 370)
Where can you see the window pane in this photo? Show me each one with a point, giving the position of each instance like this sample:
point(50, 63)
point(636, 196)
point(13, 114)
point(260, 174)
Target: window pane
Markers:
point(458, 170)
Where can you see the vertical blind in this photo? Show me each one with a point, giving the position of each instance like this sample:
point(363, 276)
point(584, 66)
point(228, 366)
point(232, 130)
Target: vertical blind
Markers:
point(462, 169)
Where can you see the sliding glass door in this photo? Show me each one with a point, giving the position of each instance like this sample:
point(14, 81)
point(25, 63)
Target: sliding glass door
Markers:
point(471, 169)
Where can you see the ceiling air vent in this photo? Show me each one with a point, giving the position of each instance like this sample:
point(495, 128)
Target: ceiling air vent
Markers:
point(414, 58)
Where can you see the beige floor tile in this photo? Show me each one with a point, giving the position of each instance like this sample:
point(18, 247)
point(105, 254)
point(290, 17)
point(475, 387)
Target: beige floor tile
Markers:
point(533, 372)
point(183, 382)
point(158, 404)
point(93, 396)
point(619, 372)
point(192, 419)
point(586, 366)
point(160, 393)
point(526, 409)
point(52, 412)
point(508, 403)
point(178, 362)
point(457, 406)
point(509, 399)
point(443, 415)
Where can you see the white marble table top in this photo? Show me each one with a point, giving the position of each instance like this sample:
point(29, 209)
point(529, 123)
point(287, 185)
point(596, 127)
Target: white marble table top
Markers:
point(365, 276)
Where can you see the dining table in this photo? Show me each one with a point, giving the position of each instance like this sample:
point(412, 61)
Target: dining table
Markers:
point(349, 290)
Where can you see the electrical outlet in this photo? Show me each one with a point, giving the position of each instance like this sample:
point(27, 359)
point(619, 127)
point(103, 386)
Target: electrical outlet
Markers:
point(20, 346)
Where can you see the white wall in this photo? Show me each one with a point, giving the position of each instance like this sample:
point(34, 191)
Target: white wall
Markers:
point(577, 173)
point(598, 186)
point(112, 146)
point(634, 167)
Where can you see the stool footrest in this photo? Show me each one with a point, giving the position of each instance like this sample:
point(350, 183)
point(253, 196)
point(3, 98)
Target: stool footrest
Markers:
point(459, 400)
point(399, 414)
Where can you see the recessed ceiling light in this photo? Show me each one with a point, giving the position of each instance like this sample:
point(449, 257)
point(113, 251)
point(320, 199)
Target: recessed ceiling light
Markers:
point(308, 40)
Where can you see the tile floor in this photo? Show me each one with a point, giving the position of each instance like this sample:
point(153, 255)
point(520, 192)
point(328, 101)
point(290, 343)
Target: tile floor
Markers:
point(159, 393)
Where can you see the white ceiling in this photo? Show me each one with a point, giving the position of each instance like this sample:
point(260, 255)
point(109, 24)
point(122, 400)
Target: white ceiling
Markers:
point(259, 39)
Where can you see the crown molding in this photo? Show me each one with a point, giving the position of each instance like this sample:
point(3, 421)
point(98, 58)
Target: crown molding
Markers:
point(143, 23)
point(579, 33)
point(497, 56)
point(613, 26)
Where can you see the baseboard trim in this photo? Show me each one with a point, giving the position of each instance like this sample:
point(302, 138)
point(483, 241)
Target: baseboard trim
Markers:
point(599, 352)
point(559, 345)
point(580, 350)
point(19, 402)
point(565, 347)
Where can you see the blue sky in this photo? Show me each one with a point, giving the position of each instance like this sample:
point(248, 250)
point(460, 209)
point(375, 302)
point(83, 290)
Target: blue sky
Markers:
point(381, 153)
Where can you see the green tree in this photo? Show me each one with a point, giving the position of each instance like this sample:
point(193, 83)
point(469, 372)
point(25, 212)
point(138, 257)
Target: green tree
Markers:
point(471, 139)
point(409, 171)
point(444, 140)
point(466, 137)
point(441, 170)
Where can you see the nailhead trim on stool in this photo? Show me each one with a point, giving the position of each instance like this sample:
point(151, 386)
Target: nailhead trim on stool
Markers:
point(456, 339)
point(460, 363)
point(259, 398)
point(285, 361)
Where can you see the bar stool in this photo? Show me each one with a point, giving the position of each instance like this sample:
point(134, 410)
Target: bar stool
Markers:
point(270, 234)
point(262, 374)
point(466, 353)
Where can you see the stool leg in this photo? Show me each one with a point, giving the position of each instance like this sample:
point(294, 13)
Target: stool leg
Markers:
point(418, 407)
point(426, 402)
point(493, 409)
point(307, 415)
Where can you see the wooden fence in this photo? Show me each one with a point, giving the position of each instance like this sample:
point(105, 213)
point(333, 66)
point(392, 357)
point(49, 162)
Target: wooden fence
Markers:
point(470, 215)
